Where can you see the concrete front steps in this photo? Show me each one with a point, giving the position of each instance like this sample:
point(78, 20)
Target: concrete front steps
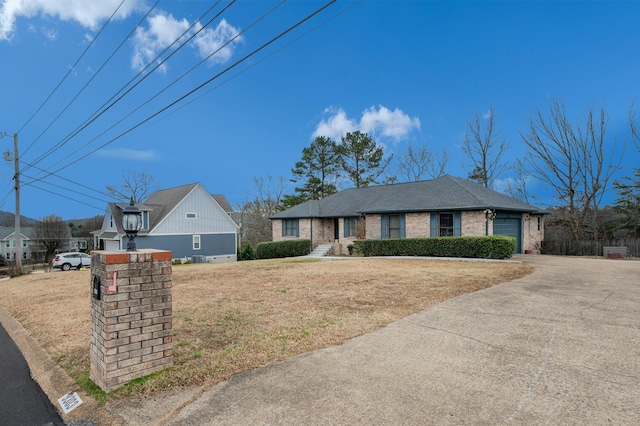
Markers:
point(320, 251)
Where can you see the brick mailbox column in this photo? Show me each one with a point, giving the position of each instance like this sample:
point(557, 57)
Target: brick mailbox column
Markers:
point(130, 315)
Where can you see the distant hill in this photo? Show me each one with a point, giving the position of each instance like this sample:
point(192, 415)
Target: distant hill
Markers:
point(9, 219)
point(80, 227)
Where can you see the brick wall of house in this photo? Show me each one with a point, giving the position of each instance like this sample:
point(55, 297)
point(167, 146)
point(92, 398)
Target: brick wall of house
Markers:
point(323, 231)
point(320, 230)
point(418, 225)
point(473, 223)
point(533, 232)
point(276, 228)
point(374, 224)
point(305, 228)
point(131, 323)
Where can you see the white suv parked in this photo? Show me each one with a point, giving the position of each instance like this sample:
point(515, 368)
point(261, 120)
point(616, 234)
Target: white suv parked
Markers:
point(66, 261)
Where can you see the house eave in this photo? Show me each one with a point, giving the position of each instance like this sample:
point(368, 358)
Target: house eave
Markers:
point(450, 209)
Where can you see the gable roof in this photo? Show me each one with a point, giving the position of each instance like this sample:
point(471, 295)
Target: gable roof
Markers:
point(224, 203)
point(164, 201)
point(160, 204)
point(8, 232)
point(441, 194)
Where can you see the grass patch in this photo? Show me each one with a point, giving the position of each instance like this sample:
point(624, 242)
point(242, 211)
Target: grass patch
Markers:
point(232, 317)
point(91, 388)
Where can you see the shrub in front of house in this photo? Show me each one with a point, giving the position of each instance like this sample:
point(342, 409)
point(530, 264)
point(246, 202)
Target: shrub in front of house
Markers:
point(247, 253)
point(491, 247)
point(289, 248)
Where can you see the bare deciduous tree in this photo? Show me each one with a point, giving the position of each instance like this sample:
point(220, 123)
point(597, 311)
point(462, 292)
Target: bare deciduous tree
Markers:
point(438, 166)
point(255, 222)
point(417, 164)
point(136, 186)
point(51, 233)
point(485, 147)
point(572, 160)
point(517, 186)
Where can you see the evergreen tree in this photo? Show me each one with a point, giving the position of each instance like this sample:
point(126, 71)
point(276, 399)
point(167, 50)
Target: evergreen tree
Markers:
point(361, 158)
point(318, 169)
point(628, 205)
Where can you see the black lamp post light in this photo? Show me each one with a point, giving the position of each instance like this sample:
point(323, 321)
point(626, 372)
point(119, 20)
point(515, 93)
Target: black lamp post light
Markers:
point(132, 223)
point(488, 215)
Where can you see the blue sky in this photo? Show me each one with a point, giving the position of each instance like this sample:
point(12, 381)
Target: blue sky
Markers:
point(405, 72)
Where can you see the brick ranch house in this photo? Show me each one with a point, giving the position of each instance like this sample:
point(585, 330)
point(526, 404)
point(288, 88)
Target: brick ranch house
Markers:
point(446, 206)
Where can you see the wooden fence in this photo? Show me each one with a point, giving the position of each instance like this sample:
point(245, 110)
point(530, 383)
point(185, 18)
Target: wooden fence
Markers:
point(588, 247)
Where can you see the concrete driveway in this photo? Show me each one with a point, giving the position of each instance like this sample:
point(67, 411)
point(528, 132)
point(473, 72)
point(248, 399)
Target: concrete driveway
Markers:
point(561, 346)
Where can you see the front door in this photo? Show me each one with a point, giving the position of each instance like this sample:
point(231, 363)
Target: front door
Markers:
point(336, 229)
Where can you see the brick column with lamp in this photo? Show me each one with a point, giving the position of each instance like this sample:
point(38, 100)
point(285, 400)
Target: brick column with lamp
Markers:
point(131, 310)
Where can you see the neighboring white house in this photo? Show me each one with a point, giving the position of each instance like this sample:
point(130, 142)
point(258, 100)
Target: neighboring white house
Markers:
point(8, 243)
point(31, 249)
point(186, 220)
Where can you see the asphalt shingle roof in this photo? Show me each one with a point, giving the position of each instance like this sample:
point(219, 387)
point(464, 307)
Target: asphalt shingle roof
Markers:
point(162, 202)
point(444, 193)
point(224, 203)
point(159, 204)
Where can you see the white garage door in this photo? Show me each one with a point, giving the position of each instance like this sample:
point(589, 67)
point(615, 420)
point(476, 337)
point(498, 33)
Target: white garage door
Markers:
point(112, 245)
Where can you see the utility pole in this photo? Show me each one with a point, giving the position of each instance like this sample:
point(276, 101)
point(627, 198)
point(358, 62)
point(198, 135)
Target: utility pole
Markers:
point(16, 178)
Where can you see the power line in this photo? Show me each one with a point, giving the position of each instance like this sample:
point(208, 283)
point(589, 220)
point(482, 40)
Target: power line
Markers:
point(260, 61)
point(61, 177)
point(182, 76)
point(186, 95)
point(68, 189)
point(68, 198)
point(100, 111)
point(92, 77)
point(6, 197)
point(72, 68)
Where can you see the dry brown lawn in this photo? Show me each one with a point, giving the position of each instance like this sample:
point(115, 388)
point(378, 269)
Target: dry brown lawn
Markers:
point(233, 317)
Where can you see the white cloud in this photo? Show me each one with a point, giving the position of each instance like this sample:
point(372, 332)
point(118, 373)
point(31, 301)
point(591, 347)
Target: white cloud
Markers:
point(394, 124)
point(86, 13)
point(210, 40)
point(336, 125)
point(129, 154)
point(164, 29)
point(487, 115)
point(380, 122)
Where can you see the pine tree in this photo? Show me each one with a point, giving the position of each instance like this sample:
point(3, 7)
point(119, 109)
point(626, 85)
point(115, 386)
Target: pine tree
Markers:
point(361, 158)
point(628, 205)
point(317, 170)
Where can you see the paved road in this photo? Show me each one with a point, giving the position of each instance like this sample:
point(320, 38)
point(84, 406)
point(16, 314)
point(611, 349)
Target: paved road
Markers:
point(22, 401)
point(558, 347)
